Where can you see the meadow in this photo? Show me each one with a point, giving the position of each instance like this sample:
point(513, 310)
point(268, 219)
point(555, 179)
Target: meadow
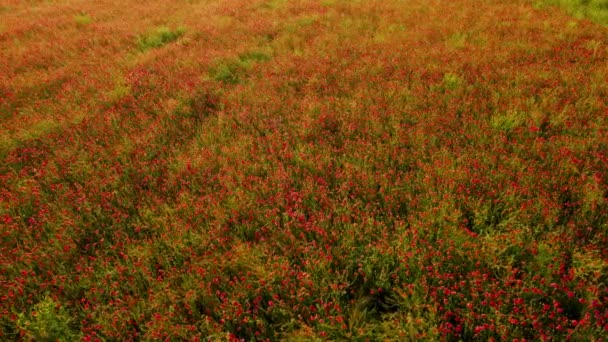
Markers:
point(303, 170)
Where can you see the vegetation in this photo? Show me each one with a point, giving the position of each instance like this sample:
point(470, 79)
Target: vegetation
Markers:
point(302, 170)
point(160, 36)
point(596, 10)
point(82, 19)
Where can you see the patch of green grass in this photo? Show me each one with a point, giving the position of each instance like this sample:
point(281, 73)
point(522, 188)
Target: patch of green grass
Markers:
point(231, 71)
point(274, 4)
point(83, 19)
point(458, 40)
point(595, 10)
point(450, 81)
point(507, 121)
point(227, 72)
point(254, 56)
point(41, 128)
point(159, 37)
point(47, 322)
point(119, 92)
point(6, 143)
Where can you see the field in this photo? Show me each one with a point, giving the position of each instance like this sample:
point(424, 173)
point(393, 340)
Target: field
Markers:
point(303, 170)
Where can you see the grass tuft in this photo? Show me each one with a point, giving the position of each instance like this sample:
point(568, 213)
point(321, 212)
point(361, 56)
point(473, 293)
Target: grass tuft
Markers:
point(232, 71)
point(161, 36)
point(83, 19)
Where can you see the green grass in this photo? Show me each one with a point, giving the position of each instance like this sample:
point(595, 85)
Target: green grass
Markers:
point(47, 322)
point(231, 71)
point(83, 19)
point(120, 91)
point(595, 10)
point(161, 36)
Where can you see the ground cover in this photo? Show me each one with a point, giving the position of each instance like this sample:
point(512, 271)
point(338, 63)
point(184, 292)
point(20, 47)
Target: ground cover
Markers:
point(302, 170)
point(596, 10)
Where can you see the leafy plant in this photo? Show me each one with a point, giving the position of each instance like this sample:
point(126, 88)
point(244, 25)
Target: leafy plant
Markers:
point(47, 321)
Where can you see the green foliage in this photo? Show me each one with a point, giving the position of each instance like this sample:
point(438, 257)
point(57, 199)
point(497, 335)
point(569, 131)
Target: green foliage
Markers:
point(458, 40)
point(159, 37)
point(83, 19)
point(507, 121)
point(596, 10)
point(119, 92)
point(274, 4)
point(6, 143)
point(416, 321)
point(47, 322)
point(231, 71)
point(228, 72)
point(254, 56)
point(41, 128)
point(450, 82)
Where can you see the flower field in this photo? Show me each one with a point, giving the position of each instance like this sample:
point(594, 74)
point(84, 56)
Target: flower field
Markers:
point(302, 170)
